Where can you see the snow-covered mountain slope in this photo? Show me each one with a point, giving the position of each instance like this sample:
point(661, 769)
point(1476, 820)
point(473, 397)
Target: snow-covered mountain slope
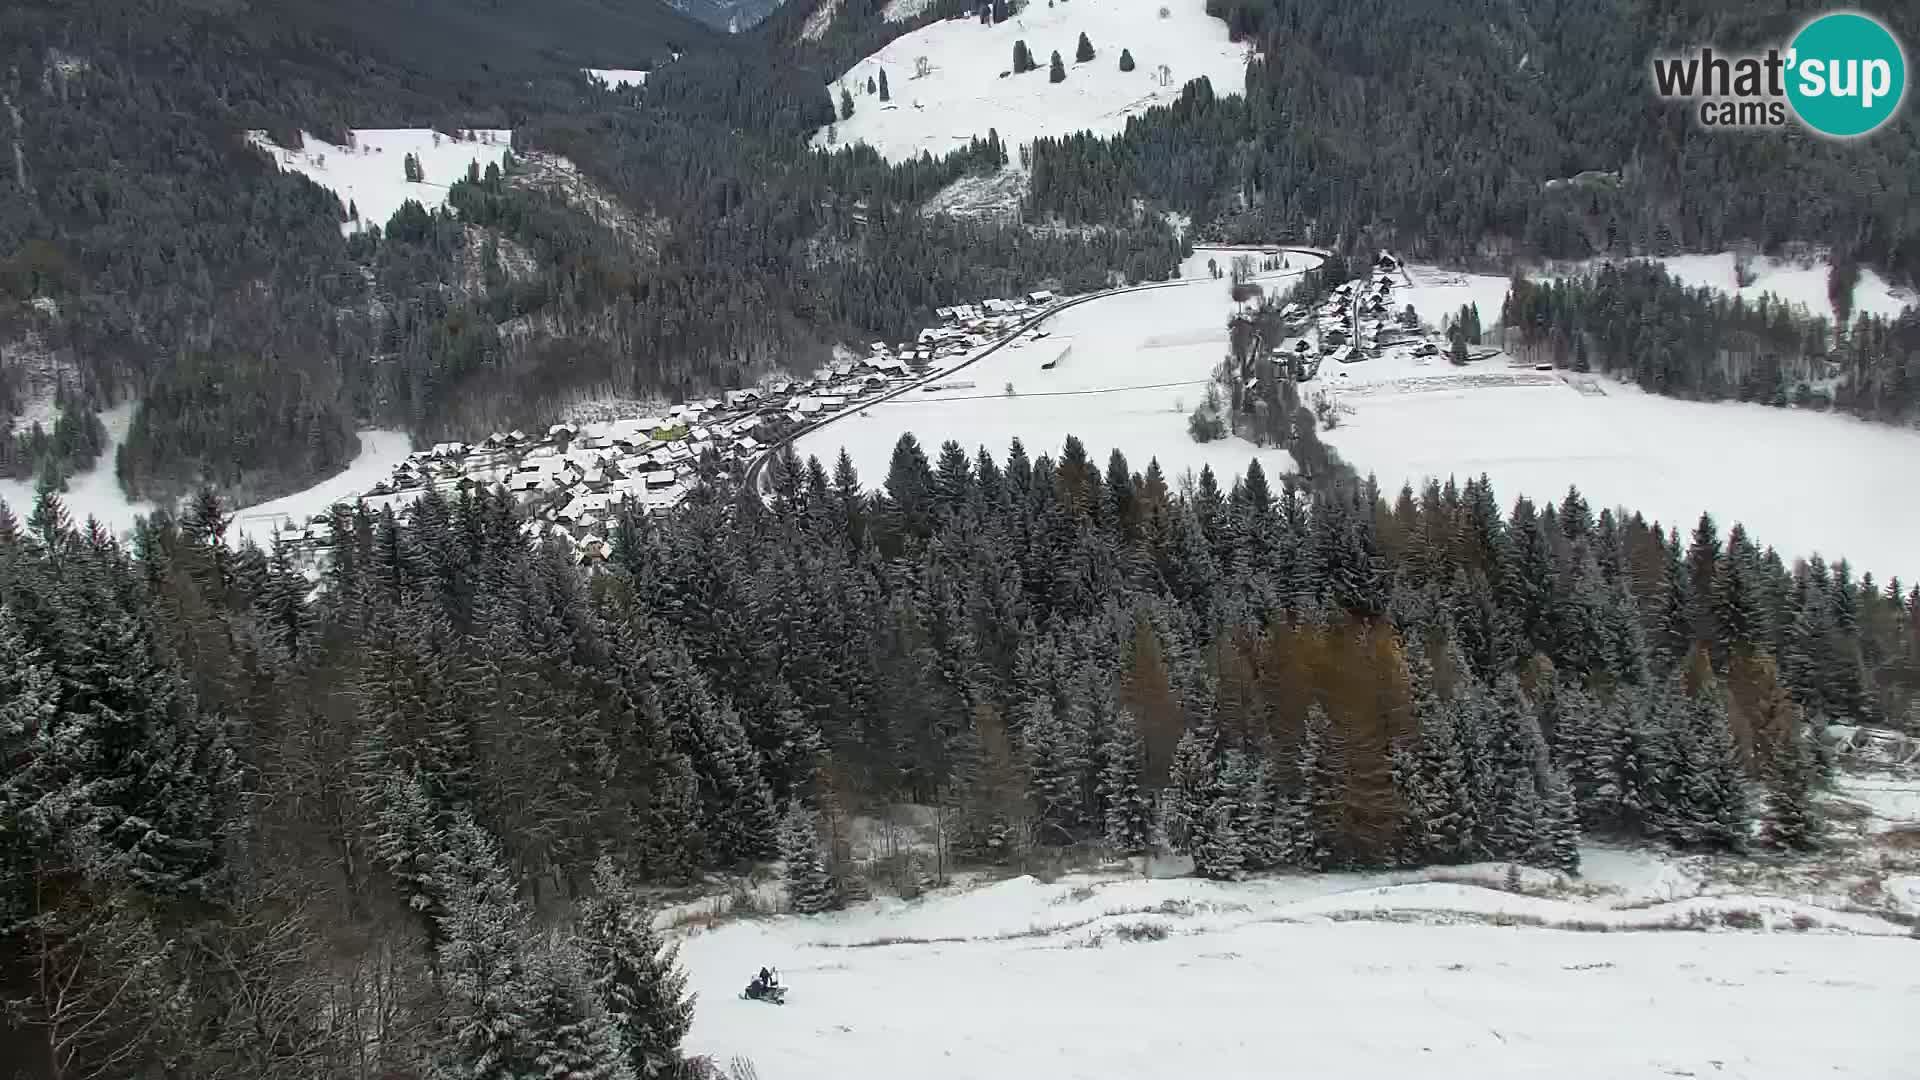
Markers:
point(370, 175)
point(969, 87)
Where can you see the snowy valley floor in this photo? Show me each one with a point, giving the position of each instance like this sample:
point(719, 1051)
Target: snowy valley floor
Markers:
point(1648, 965)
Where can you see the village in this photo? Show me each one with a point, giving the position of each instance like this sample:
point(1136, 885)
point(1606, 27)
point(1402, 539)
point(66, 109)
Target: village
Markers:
point(1355, 322)
point(574, 480)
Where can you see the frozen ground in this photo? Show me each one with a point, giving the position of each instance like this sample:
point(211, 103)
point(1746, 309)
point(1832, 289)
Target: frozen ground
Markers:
point(95, 493)
point(963, 95)
point(1134, 366)
point(380, 451)
point(1797, 282)
point(1338, 975)
point(371, 175)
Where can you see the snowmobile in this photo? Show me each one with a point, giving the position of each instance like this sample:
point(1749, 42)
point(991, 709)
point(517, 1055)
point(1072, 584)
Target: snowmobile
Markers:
point(766, 990)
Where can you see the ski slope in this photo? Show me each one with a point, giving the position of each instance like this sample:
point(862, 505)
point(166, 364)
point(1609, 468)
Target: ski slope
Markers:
point(370, 174)
point(1336, 975)
point(963, 94)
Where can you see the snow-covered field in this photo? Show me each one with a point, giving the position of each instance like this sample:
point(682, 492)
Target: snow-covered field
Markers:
point(1800, 481)
point(1137, 365)
point(963, 94)
point(1798, 282)
point(380, 451)
point(370, 174)
point(1111, 976)
point(95, 493)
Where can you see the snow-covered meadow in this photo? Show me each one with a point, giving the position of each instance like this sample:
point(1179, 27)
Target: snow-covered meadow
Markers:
point(380, 451)
point(963, 94)
point(1129, 370)
point(92, 494)
point(1800, 481)
point(618, 78)
point(1802, 282)
point(1441, 973)
point(370, 174)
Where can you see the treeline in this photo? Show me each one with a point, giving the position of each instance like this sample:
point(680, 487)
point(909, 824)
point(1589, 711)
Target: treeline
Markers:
point(1448, 131)
point(1635, 320)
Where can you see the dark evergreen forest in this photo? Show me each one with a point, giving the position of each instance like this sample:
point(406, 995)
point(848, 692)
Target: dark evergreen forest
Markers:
point(255, 826)
point(190, 273)
point(1472, 130)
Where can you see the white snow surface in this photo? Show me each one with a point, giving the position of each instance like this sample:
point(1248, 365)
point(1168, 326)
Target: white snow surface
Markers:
point(618, 78)
point(380, 451)
point(963, 95)
point(1347, 975)
point(371, 175)
point(1535, 433)
point(95, 493)
point(1802, 282)
point(902, 10)
point(1139, 364)
point(1136, 355)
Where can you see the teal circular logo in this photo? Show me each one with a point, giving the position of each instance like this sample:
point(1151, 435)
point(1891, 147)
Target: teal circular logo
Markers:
point(1846, 74)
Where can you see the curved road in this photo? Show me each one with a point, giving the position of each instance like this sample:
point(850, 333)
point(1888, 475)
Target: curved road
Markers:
point(755, 467)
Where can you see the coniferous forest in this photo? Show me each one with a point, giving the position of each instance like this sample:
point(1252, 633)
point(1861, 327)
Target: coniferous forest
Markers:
point(409, 818)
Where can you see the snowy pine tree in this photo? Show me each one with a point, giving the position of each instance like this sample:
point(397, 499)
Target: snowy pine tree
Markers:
point(490, 1031)
point(1129, 815)
point(1557, 846)
point(1318, 806)
point(634, 978)
point(810, 887)
point(1792, 823)
point(573, 1039)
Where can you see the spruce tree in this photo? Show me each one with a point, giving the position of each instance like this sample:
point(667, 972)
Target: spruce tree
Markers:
point(489, 1023)
point(885, 94)
point(1022, 58)
point(1792, 822)
point(846, 105)
point(1129, 816)
point(1557, 846)
point(1318, 804)
point(634, 978)
point(573, 1038)
point(1126, 60)
point(810, 888)
point(1084, 52)
point(1057, 72)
